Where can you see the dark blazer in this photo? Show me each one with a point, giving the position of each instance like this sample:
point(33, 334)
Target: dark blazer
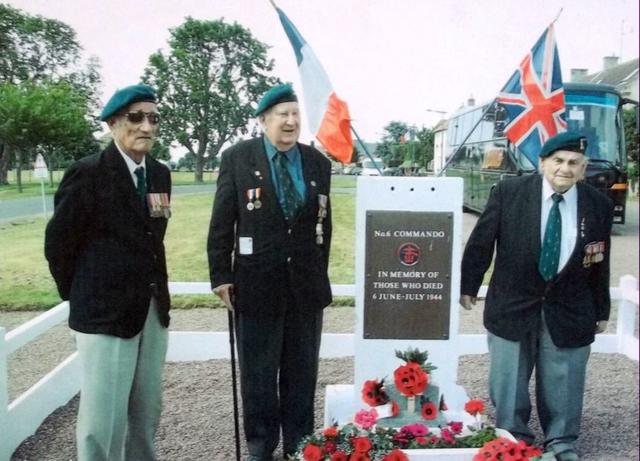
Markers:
point(104, 251)
point(284, 255)
point(573, 301)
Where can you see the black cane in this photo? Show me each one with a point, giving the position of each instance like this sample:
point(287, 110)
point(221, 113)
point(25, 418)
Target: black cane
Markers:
point(234, 384)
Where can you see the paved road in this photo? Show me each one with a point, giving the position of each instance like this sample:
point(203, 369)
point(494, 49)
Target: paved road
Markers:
point(25, 207)
point(625, 238)
point(31, 206)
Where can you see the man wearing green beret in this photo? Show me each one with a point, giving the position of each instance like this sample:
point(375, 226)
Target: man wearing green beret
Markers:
point(549, 292)
point(268, 249)
point(105, 249)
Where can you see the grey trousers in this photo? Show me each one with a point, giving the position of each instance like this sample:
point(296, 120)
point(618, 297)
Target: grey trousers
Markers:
point(560, 377)
point(121, 393)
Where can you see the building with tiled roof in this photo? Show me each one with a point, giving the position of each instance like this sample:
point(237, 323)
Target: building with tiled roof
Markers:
point(623, 76)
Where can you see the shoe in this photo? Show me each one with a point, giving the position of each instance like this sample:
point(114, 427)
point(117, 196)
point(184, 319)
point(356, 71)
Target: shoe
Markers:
point(258, 458)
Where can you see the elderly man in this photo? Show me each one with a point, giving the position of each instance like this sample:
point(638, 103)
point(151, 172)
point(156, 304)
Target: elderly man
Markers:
point(549, 291)
point(105, 249)
point(268, 255)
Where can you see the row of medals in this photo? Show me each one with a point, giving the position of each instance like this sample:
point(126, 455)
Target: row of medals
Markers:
point(254, 202)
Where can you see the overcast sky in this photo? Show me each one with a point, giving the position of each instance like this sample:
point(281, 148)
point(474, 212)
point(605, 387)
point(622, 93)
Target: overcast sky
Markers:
point(390, 60)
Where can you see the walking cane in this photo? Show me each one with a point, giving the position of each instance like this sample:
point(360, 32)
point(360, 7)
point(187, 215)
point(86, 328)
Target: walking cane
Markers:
point(234, 384)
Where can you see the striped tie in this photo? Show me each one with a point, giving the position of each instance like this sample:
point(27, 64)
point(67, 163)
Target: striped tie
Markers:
point(550, 254)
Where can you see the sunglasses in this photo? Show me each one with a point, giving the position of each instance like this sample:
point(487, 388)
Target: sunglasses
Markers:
point(138, 117)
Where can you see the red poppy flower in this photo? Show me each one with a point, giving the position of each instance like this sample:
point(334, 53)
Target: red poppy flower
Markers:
point(339, 456)
point(330, 432)
point(396, 455)
point(410, 379)
point(422, 440)
point(373, 393)
point(473, 407)
point(312, 453)
point(429, 411)
point(361, 445)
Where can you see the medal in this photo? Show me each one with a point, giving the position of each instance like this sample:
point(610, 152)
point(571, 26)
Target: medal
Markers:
point(253, 198)
point(158, 204)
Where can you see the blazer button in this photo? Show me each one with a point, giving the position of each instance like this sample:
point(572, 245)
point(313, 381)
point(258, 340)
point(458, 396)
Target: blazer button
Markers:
point(289, 231)
point(288, 259)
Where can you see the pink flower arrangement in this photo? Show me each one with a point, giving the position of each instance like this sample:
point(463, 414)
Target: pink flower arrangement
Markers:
point(366, 419)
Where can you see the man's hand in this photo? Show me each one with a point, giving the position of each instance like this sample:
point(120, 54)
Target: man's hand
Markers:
point(467, 301)
point(225, 293)
point(601, 326)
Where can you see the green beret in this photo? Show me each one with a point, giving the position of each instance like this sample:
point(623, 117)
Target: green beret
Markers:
point(568, 140)
point(276, 95)
point(125, 96)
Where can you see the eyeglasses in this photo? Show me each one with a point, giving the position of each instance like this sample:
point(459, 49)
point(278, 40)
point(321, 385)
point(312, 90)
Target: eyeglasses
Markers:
point(138, 117)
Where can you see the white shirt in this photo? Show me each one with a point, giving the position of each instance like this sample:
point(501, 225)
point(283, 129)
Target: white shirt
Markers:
point(569, 214)
point(133, 165)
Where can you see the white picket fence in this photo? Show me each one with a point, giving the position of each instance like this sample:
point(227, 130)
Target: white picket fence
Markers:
point(21, 417)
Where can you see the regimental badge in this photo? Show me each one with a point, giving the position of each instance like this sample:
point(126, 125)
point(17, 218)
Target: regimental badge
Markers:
point(409, 254)
point(593, 253)
point(159, 206)
point(253, 198)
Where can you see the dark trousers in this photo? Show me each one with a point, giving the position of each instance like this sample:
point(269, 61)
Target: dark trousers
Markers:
point(278, 356)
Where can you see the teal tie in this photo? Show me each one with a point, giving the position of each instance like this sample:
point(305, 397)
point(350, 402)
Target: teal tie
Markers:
point(290, 200)
point(550, 254)
point(142, 183)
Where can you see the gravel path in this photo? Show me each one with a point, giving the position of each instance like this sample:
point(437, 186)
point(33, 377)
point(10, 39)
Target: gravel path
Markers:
point(197, 421)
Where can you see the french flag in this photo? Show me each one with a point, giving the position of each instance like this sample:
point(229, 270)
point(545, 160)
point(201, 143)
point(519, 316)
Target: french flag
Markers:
point(328, 115)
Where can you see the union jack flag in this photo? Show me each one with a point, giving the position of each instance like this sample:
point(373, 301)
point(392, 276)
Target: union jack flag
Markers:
point(534, 98)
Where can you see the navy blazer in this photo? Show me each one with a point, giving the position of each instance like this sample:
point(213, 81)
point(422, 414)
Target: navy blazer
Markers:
point(574, 300)
point(284, 258)
point(105, 252)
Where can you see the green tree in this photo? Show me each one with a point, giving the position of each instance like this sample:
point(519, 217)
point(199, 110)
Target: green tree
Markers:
point(424, 146)
point(630, 119)
point(45, 117)
point(392, 149)
point(206, 84)
point(34, 50)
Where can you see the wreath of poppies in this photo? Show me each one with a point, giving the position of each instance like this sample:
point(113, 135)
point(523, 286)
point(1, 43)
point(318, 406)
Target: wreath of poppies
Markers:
point(412, 378)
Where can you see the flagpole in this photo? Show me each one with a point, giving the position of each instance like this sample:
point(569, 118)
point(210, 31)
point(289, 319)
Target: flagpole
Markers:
point(365, 149)
point(467, 137)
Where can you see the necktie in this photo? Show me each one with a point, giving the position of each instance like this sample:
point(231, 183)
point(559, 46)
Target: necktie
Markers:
point(142, 183)
point(550, 254)
point(291, 201)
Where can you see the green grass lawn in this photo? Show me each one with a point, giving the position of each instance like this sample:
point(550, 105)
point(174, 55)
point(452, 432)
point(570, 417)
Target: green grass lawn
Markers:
point(31, 186)
point(25, 282)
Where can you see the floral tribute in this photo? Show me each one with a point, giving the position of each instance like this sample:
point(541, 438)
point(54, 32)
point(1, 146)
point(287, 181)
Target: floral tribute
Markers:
point(373, 393)
point(503, 449)
point(412, 378)
point(476, 409)
point(363, 440)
